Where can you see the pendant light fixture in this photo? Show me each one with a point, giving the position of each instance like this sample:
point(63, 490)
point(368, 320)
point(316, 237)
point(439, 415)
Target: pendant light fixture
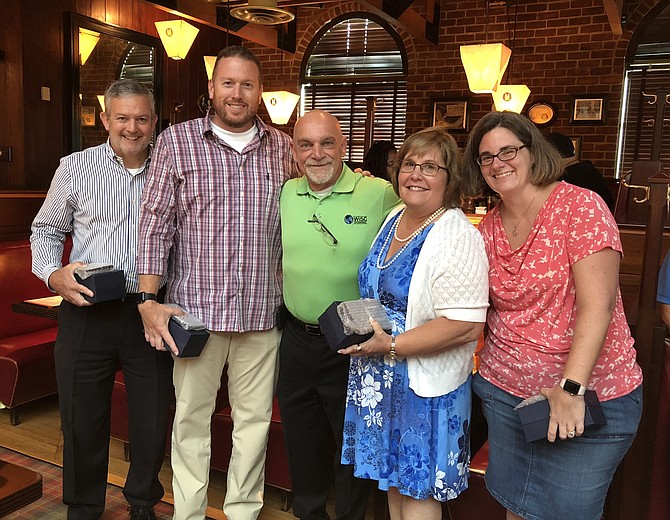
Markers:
point(210, 61)
point(87, 42)
point(280, 104)
point(511, 98)
point(486, 63)
point(177, 37)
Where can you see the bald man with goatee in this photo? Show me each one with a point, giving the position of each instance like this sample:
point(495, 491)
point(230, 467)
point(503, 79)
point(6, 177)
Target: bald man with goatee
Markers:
point(329, 217)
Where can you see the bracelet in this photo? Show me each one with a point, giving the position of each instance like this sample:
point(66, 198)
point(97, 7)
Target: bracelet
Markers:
point(392, 350)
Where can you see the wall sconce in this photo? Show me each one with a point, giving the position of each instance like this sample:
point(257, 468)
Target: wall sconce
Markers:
point(87, 42)
point(280, 105)
point(177, 37)
point(210, 61)
point(101, 100)
point(485, 65)
point(510, 97)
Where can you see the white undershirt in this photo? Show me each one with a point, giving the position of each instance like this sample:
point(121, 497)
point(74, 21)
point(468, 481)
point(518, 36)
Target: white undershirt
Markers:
point(237, 140)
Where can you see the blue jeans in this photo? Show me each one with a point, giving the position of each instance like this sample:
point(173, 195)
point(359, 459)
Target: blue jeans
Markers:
point(542, 480)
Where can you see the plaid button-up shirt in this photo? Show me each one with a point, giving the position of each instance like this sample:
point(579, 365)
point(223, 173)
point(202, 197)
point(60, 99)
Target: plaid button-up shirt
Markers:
point(210, 218)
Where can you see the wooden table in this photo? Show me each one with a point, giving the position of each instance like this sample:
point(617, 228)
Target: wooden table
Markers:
point(18, 487)
point(41, 307)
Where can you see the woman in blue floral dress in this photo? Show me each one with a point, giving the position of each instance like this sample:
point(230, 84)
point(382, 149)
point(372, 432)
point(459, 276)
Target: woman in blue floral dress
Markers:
point(409, 393)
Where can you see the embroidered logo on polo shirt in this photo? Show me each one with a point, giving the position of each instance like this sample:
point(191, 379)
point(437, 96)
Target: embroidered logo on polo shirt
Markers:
point(355, 219)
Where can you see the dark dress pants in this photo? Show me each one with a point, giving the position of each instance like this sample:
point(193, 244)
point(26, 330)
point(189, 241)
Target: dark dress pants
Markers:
point(92, 343)
point(312, 390)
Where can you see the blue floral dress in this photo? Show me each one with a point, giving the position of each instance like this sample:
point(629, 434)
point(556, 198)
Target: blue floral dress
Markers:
point(420, 445)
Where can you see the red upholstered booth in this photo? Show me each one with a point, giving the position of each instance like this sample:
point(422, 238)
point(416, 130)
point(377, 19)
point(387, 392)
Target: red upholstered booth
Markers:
point(27, 369)
point(276, 465)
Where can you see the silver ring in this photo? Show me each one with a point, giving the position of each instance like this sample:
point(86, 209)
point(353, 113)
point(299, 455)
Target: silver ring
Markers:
point(571, 434)
point(358, 348)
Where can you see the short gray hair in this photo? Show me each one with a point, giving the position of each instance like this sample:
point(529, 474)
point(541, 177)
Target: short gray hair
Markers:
point(126, 88)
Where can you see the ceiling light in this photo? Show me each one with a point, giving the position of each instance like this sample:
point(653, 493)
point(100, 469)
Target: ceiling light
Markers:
point(177, 37)
point(511, 98)
point(280, 105)
point(87, 42)
point(485, 65)
point(262, 12)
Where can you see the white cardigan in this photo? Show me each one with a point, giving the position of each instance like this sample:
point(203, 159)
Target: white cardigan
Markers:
point(450, 280)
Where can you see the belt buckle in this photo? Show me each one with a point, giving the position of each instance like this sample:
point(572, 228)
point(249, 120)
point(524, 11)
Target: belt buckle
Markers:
point(313, 330)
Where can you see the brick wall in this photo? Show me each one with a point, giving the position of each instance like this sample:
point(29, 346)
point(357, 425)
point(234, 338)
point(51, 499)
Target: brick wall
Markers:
point(562, 49)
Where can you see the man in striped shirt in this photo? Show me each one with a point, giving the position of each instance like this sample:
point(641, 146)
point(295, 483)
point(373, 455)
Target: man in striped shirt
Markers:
point(210, 207)
point(95, 198)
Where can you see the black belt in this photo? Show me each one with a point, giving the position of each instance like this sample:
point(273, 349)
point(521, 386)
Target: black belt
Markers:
point(312, 330)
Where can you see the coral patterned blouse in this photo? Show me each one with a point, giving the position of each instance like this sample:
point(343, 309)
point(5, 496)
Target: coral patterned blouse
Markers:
point(532, 289)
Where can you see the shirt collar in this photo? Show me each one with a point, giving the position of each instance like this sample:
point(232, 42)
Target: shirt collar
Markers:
point(109, 151)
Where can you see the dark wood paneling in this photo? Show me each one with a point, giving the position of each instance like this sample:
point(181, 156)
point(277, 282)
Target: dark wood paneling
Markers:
point(11, 95)
point(36, 43)
point(16, 214)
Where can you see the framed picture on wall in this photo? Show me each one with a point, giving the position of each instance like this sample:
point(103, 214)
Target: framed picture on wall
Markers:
point(453, 114)
point(542, 113)
point(87, 116)
point(588, 109)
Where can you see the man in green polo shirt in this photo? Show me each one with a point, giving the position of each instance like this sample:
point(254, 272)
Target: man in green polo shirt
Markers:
point(329, 217)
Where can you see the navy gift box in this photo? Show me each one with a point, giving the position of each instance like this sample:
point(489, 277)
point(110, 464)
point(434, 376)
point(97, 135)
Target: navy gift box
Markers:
point(189, 342)
point(106, 286)
point(535, 417)
point(333, 329)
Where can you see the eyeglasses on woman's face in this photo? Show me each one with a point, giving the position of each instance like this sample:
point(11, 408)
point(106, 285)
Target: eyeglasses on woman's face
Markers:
point(506, 154)
point(428, 169)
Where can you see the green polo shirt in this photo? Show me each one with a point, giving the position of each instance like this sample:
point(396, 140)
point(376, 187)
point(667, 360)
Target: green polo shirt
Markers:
point(316, 271)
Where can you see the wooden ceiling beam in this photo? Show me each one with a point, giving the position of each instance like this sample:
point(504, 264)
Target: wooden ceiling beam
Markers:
point(614, 10)
point(424, 28)
point(206, 13)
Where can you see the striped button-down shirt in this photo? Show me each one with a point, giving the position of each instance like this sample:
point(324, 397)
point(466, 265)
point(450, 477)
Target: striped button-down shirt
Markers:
point(210, 219)
point(97, 200)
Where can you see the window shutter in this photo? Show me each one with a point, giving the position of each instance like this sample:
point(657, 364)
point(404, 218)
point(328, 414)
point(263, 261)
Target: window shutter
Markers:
point(354, 60)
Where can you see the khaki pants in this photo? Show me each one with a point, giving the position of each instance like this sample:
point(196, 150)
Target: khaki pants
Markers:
point(252, 372)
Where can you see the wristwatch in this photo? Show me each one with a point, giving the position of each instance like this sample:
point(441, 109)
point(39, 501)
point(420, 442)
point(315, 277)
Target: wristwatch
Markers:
point(145, 296)
point(572, 387)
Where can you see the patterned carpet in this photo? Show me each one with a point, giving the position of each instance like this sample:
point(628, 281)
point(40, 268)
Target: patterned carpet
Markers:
point(51, 507)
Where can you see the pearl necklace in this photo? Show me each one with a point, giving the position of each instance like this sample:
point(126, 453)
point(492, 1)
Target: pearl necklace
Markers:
point(407, 241)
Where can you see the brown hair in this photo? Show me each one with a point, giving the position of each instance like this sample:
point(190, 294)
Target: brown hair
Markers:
point(546, 162)
point(237, 51)
point(435, 137)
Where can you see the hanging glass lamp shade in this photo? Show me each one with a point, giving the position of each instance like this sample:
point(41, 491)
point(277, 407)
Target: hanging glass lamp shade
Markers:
point(177, 37)
point(485, 65)
point(510, 97)
point(280, 105)
point(87, 42)
point(210, 61)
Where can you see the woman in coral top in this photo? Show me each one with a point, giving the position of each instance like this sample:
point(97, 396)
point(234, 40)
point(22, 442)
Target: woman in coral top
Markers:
point(556, 327)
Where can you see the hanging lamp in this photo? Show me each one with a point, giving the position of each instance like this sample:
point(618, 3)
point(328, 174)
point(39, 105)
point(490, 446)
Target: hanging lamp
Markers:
point(177, 37)
point(87, 42)
point(485, 65)
point(280, 104)
point(210, 61)
point(510, 97)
